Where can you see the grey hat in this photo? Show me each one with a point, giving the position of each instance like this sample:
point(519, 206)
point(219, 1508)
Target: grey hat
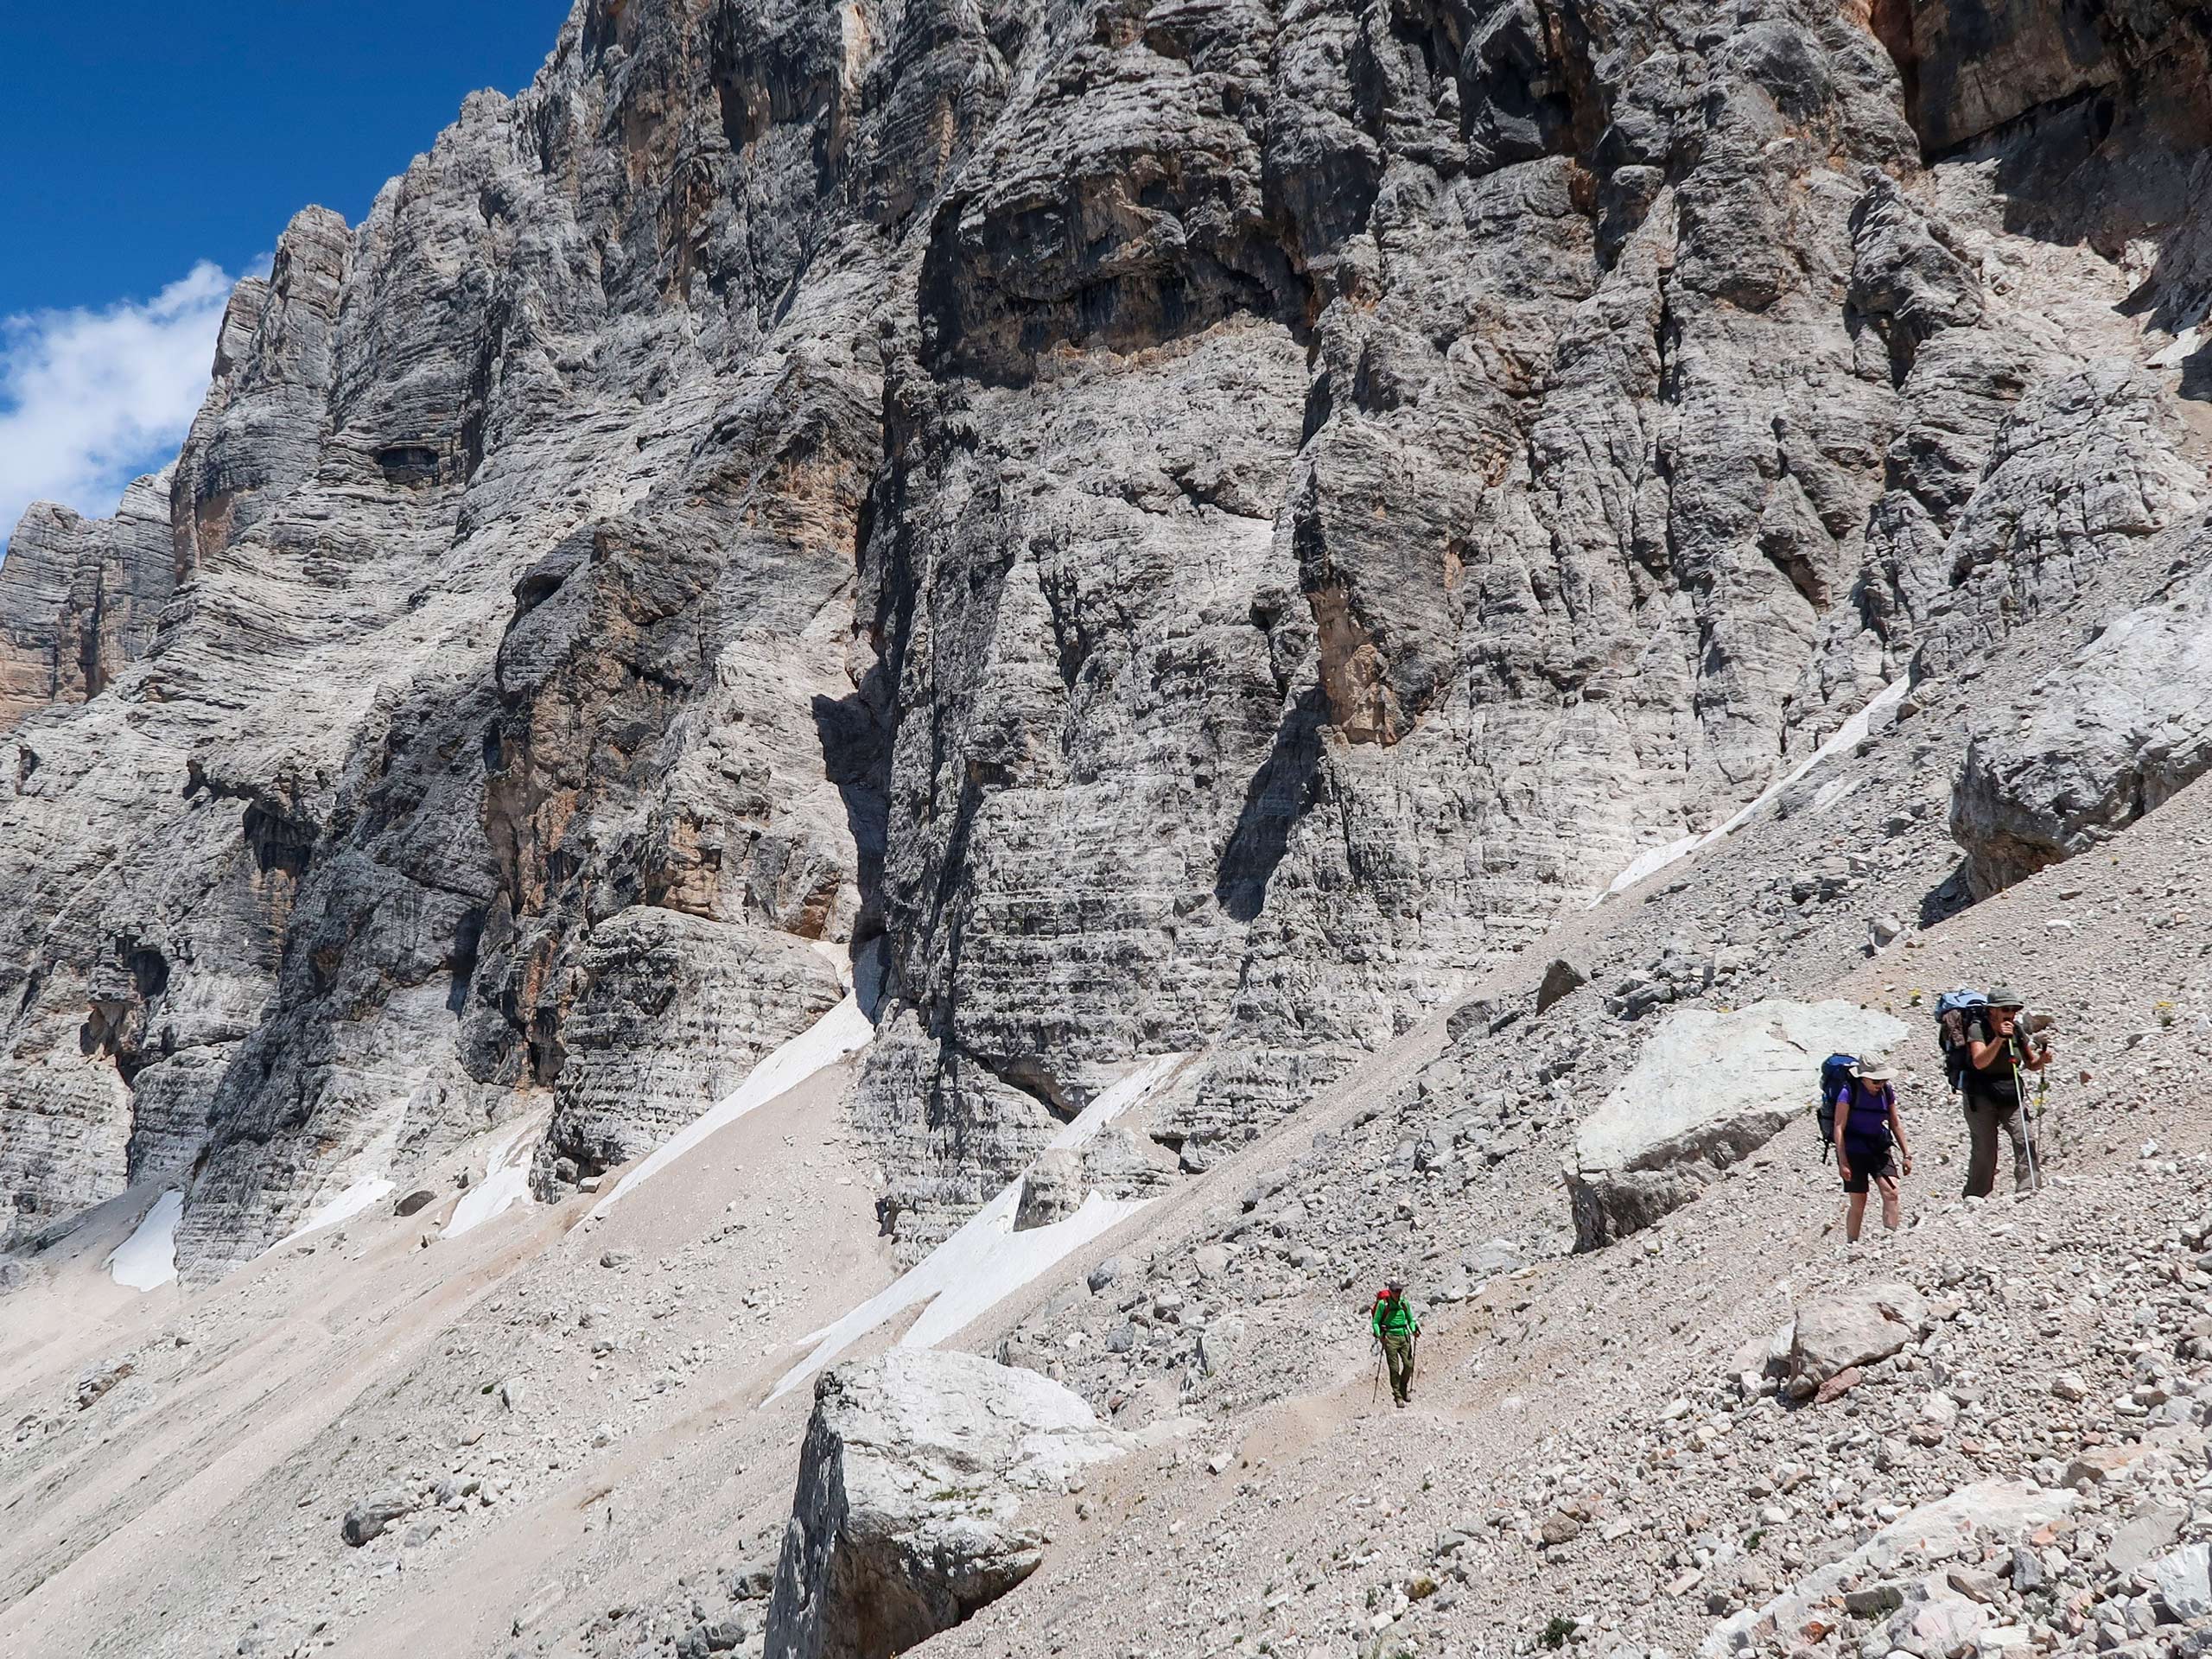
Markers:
point(2004, 996)
point(1394, 1284)
point(1873, 1071)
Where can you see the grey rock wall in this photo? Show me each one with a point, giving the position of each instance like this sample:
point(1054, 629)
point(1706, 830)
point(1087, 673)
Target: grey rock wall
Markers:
point(1202, 526)
point(2119, 730)
point(79, 597)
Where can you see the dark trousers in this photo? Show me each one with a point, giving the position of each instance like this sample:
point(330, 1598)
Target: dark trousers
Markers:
point(1398, 1351)
point(1984, 1117)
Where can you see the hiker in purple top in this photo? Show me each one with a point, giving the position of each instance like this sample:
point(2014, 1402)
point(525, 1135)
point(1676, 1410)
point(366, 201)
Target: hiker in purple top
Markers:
point(1870, 1144)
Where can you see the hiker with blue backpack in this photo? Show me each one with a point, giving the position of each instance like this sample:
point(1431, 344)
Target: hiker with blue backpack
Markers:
point(1990, 1044)
point(1869, 1141)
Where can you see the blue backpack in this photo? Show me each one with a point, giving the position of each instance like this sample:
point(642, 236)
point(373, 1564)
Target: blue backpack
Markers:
point(1836, 1078)
point(1953, 1010)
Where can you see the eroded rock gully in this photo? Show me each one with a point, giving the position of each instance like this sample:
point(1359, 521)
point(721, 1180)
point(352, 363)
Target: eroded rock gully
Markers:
point(1203, 525)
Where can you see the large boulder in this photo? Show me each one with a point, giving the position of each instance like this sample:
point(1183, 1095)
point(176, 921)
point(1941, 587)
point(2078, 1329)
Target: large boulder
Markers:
point(372, 1516)
point(1709, 1090)
point(906, 1516)
point(1851, 1327)
point(2119, 730)
point(2183, 1581)
point(1051, 1190)
point(1561, 979)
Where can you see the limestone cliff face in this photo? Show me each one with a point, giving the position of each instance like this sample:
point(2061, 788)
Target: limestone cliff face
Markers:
point(79, 597)
point(1201, 524)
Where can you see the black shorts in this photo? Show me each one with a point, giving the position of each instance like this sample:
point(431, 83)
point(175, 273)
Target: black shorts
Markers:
point(1869, 1161)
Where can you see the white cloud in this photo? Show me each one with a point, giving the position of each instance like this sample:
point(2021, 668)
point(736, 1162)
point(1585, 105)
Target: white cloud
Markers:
point(89, 399)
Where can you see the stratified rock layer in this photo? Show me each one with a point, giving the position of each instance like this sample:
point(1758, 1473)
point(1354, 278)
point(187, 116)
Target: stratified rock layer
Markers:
point(79, 597)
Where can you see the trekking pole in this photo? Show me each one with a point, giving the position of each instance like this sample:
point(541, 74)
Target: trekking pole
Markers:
point(2043, 1093)
point(1375, 1388)
point(2028, 1114)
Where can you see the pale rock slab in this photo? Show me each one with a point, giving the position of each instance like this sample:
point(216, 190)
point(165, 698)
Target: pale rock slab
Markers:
point(2183, 1581)
point(1709, 1090)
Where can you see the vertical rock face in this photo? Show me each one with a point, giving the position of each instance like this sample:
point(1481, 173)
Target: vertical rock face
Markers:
point(516, 541)
point(79, 597)
point(669, 1013)
point(1203, 525)
point(1971, 67)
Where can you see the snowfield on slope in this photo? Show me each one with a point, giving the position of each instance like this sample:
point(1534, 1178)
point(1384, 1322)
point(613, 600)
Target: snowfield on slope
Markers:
point(505, 1183)
point(987, 1260)
point(147, 1260)
point(347, 1205)
point(844, 1030)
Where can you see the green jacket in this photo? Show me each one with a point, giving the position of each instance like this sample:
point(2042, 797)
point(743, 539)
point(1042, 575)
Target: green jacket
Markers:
point(1393, 1316)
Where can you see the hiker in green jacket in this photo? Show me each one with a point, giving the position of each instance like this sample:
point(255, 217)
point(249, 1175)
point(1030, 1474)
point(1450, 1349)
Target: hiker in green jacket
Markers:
point(1398, 1333)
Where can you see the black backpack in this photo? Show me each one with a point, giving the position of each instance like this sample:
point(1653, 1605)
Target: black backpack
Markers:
point(1836, 1078)
point(1954, 1010)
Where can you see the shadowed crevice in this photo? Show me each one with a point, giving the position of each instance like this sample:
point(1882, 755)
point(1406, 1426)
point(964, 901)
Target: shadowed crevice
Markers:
point(1282, 792)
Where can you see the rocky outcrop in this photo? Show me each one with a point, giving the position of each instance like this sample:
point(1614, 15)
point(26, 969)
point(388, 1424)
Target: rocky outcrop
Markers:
point(1707, 1091)
point(1972, 68)
point(1203, 528)
point(2113, 734)
point(1847, 1328)
point(79, 597)
point(906, 1517)
point(668, 1015)
point(481, 644)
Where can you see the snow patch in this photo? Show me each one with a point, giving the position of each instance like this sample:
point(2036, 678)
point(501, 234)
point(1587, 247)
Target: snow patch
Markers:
point(1652, 861)
point(505, 1183)
point(147, 1260)
point(347, 1205)
point(987, 1260)
point(2183, 345)
point(841, 1030)
point(1849, 735)
point(1832, 791)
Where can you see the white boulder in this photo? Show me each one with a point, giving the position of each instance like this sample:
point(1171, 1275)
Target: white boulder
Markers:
point(1709, 1090)
point(2183, 1581)
point(906, 1516)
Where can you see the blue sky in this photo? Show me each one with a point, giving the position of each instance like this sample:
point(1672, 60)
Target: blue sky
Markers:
point(150, 153)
